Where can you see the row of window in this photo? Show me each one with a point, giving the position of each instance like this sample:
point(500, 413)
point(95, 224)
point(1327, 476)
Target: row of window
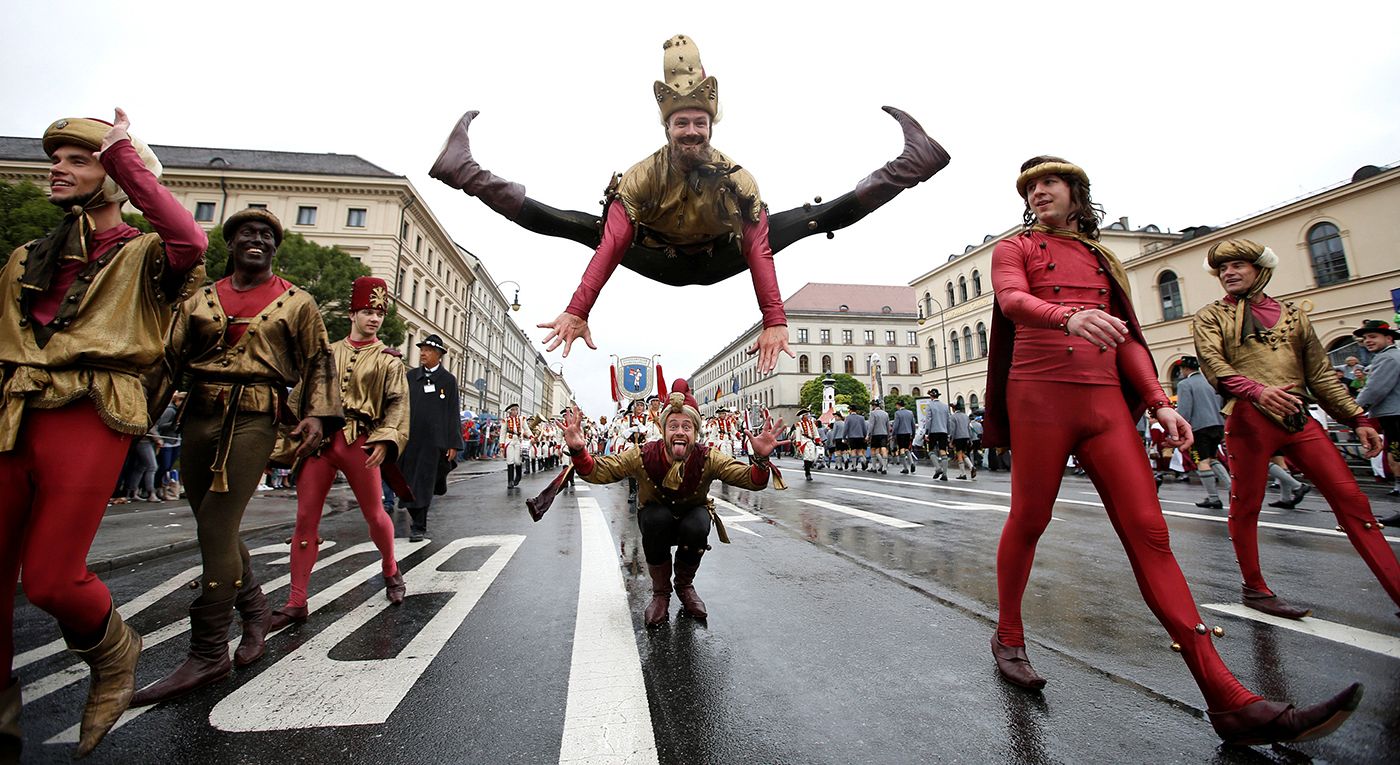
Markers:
point(961, 295)
point(848, 365)
point(355, 217)
point(848, 337)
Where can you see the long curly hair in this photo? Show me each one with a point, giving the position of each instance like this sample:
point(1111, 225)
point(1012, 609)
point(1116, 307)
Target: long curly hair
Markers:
point(1087, 214)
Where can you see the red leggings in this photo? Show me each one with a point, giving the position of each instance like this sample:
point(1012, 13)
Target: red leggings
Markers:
point(1049, 422)
point(1251, 437)
point(313, 484)
point(56, 483)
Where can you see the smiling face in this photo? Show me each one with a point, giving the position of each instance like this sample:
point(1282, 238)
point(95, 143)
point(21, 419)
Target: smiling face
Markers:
point(1050, 198)
point(1375, 342)
point(253, 246)
point(1237, 276)
point(75, 176)
point(680, 435)
point(688, 134)
point(365, 323)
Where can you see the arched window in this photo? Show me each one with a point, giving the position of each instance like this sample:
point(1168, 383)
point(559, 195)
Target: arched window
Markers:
point(826, 365)
point(932, 354)
point(894, 390)
point(849, 365)
point(915, 392)
point(951, 302)
point(928, 304)
point(893, 367)
point(913, 365)
point(961, 402)
point(967, 343)
point(953, 343)
point(981, 339)
point(972, 401)
point(1169, 292)
point(803, 365)
point(1329, 260)
point(962, 288)
point(976, 283)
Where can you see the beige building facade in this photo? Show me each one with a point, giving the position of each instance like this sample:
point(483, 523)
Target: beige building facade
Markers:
point(842, 328)
point(1339, 252)
point(375, 216)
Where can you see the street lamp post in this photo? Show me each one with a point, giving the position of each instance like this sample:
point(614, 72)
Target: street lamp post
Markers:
point(514, 306)
point(943, 338)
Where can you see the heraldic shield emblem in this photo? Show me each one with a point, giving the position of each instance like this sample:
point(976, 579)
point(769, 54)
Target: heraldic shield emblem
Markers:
point(636, 377)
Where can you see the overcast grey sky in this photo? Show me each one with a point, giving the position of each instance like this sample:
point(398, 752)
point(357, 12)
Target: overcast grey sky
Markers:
point(1182, 113)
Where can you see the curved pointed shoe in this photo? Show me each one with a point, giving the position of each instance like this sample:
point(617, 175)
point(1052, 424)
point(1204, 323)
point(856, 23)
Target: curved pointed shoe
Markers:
point(208, 661)
point(1269, 603)
point(1015, 666)
point(113, 664)
point(1274, 722)
point(394, 588)
point(456, 167)
point(921, 159)
point(288, 615)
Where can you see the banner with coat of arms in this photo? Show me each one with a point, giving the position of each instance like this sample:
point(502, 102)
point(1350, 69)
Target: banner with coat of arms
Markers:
point(636, 377)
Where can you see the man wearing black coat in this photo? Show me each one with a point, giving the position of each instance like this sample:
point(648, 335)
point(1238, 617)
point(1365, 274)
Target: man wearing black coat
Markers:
point(434, 432)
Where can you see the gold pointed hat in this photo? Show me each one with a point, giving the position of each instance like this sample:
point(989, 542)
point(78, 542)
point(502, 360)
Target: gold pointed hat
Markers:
point(686, 85)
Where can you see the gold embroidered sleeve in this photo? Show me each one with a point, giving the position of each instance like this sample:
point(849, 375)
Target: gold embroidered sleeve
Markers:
point(615, 467)
point(393, 423)
point(320, 391)
point(1321, 378)
point(722, 467)
point(1208, 330)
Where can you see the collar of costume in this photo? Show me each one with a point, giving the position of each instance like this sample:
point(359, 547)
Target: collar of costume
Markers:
point(72, 240)
point(682, 477)
point(1110, 261)
point(1062, 169)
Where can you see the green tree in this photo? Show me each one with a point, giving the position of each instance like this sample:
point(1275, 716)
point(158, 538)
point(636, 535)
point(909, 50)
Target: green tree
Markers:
point(25, 215)
point(890, 401)
point(328, 273)
point(849, 390)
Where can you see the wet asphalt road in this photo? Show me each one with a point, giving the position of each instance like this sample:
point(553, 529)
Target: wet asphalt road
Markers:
point(832, 638)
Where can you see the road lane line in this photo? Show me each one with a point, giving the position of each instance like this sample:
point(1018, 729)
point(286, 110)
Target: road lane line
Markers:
point(1179, 502)
point(607, 718)
point(866, 514)
point(943, 505)
point(1337, 633)
point(1061, 500)
point(308, 688)
point(738, 517)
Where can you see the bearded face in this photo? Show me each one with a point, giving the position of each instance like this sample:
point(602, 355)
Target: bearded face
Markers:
point(680, 435)
point(688, 135)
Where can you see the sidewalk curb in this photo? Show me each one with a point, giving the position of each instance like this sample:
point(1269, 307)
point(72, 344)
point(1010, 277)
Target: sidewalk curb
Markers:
point(105, 565)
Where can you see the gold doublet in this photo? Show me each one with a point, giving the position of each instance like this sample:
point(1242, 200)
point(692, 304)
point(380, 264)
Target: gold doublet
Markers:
point(374, 393)
point(689, 209)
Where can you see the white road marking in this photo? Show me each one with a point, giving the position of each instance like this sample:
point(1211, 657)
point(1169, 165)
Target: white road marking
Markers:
point(738, 517)
point(402, 549)
point(583, 487)
point(309, 689)
point(1338, 633)
point(866, 514)
point(946, 504)
point(1179, 502)
point(607, 718)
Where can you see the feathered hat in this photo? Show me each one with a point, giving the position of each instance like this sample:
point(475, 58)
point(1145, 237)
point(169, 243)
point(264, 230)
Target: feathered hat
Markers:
point(686, 85)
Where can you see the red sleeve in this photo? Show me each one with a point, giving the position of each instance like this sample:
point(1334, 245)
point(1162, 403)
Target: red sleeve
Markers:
point(584, 463)
point(1135, 365)
point(1013, 294)
point(1240, 386)
point(759, 475)
point(759, 255)
point(617, 237)
point(185, 241)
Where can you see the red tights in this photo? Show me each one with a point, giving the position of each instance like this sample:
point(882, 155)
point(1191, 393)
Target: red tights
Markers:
point(1049, 422)
point(313, 484)
point(1251, 438)
point(56, 483)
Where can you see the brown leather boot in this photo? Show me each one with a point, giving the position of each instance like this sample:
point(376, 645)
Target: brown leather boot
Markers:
point(208, 661)
point(660, 604)
point(922, 157)
point(1015, 666)
point(257, 620)
point(691, 603)
point(113, 664)
point(287, 616)
point(11, 737)
point(1274, 722)
point(394, 588)
point(1271, 604)
point(456, 168)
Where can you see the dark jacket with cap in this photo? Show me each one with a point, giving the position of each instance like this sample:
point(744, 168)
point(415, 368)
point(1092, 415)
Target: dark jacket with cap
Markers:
point(434, 427)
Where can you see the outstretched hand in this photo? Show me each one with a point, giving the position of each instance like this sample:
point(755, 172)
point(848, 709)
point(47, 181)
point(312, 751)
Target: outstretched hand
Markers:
point(769, 343)
point(565, 330)
point(573, 432)
point(120, 124)
point(764, 441)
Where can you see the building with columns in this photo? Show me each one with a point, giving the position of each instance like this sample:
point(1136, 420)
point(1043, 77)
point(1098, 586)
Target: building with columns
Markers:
point(1339, 258)
point(850, 328)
